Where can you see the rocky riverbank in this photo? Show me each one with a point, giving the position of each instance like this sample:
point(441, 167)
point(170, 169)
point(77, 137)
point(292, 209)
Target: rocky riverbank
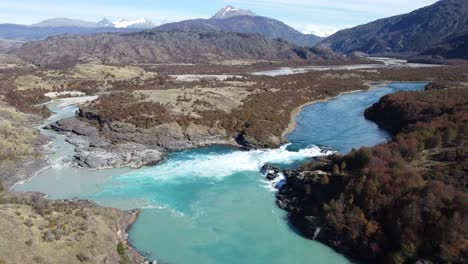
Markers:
point(96, 152)
point(102, 145)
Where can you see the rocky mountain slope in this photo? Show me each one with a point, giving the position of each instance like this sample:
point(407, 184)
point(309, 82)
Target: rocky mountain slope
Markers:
point(407, 34)
point(242, 21)
point(160, 47)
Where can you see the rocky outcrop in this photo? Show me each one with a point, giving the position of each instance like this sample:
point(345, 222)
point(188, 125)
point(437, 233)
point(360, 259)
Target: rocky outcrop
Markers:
point(96, 152)
point(103, 144)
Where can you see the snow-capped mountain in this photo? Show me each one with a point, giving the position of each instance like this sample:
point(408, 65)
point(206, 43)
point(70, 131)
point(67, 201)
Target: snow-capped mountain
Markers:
point(230, 11)
point(105, 23)
point(137, 23)
point(142, 23)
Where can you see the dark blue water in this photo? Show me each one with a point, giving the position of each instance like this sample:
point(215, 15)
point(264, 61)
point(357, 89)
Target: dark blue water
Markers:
point(340, 124)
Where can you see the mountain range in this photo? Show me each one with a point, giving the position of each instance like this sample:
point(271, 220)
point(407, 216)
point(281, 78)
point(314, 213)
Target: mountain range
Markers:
point(153, 46)
point(438, 31)
point(59, 26)
point(420, 31)
point(142, 23)
point(231, 19)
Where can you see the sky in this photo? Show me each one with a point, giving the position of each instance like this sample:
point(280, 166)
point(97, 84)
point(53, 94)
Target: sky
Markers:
point(308, 16)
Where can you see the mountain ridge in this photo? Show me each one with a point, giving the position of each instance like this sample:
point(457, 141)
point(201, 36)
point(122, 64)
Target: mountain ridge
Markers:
point(152, 46)
point(142, 23)
point(407, 34)
point(241, 23)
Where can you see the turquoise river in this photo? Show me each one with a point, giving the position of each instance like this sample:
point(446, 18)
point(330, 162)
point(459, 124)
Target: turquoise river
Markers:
point(211, 205)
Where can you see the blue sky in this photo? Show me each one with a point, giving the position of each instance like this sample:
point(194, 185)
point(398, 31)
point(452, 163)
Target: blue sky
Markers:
point(311, 16)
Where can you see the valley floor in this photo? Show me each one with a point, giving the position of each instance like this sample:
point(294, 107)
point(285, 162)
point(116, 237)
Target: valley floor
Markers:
point(145, 109)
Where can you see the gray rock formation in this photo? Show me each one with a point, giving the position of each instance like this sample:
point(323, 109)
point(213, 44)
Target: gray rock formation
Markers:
point(96, 152)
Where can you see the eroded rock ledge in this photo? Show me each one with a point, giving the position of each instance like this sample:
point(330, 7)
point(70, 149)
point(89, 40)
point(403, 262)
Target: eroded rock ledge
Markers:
point(114, 145)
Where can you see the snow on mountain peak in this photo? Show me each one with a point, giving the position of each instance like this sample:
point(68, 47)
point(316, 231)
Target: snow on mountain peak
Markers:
point(230, 11)
point(137, 23)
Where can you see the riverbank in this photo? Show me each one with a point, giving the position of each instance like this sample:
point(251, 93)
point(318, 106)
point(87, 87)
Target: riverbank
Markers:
point(356, 203)
point(27, 205)
point(36, 230)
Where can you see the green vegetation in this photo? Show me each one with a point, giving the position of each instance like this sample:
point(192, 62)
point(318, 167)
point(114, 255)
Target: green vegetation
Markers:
point(123, 256)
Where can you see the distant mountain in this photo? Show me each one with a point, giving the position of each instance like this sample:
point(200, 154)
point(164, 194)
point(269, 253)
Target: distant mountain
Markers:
point(142, 23)
point(230, 11)
point(27, 33)
point(406, 34)
point(64, 22)
point(153, 46)
point(59, 26)
point(231, 19)
point(104, 23)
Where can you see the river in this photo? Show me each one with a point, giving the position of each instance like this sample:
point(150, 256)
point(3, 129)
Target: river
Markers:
point(211, 205)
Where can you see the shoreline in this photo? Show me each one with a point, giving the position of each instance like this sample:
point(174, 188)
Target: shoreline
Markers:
point(296, 111)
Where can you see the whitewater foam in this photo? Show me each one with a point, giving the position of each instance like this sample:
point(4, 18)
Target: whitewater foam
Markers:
point(218, 166)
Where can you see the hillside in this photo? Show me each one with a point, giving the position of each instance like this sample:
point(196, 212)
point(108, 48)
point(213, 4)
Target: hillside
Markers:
point(454, 47)
point(245, 23)
point(161, 47)
point(407, 34)
point(7, 45)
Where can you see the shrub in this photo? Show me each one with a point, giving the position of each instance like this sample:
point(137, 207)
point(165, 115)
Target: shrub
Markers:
point(82, 257)
point(121, 251)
